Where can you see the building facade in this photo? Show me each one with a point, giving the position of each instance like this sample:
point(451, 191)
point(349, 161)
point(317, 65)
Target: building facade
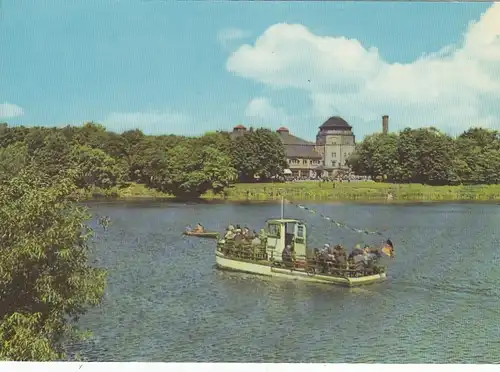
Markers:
point(335, 142)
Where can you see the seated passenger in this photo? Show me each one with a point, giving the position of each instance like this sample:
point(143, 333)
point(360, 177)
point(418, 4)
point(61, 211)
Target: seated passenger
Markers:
point(256, 240)
point(356, 251)
point(199, 228)
point(245, 231)
point(238, 239)
point(229, 234)
point(262, 234)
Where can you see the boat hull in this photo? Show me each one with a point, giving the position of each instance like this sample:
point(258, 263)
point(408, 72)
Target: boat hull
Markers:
point(208, 235)
point(264, 268)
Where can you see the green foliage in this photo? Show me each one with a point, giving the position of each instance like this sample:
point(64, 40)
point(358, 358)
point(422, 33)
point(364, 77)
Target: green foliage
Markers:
point(13, 159)
point(188, 171)
point(258, 153)
point(93, 167)
point(427, 156)
point(46, 282)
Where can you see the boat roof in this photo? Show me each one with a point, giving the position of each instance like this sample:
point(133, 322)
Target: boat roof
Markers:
point(284, 220)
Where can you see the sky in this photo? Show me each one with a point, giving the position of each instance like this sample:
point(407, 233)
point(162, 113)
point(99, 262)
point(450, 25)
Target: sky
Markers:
point(188, 67)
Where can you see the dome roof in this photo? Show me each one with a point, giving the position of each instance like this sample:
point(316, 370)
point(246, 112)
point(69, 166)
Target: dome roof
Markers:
point(240, 126)
point(335, 122)
point(282, 129)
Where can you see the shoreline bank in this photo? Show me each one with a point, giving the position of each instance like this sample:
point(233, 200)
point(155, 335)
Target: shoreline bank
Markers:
point(313, 192)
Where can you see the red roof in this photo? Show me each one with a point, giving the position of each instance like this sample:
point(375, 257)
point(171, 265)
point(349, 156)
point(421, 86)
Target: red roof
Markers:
point(239, 126)
point(282, 129)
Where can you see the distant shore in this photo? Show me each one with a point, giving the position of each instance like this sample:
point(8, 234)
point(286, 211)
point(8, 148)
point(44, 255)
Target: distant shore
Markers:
point(327, 192)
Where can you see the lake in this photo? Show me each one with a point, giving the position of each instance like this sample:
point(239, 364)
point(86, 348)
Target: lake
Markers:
point(166, 302)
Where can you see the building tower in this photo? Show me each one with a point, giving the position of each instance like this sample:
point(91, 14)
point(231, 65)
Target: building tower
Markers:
point(336, 142)
point(238, 131)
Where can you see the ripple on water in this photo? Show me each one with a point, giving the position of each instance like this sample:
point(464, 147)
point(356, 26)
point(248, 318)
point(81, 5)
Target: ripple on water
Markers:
point(165, 301)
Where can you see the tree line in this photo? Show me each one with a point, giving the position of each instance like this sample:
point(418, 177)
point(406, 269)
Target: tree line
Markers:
point(428, 156)
point(182, 166)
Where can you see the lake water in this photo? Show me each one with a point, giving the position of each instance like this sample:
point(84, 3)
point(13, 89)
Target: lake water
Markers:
point(166, 302)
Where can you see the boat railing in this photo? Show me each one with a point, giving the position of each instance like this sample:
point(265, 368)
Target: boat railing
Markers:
point(243, 250)
point(321, 267)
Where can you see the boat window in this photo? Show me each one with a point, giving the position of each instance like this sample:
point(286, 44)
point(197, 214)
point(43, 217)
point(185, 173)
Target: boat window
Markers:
point(274, 230)
point(290, 228)
point(300, 231)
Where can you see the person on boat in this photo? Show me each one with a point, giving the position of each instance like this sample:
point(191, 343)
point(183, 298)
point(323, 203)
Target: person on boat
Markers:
point(188, 229)
point(237, 230)
point(199, 229)
point(356, 251)
point(245, 231)
point(230, 227)
point(229, 234)
point(238, 239)
point(251, 235)
point(340, 256)
point(262, 234)
point(255, 240)
point(287, 255)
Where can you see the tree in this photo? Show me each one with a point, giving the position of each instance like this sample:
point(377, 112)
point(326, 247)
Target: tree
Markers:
point(46, 283)
point(49, 150)
point(188, 171)
point(93, 167)
point(426, 156)
point(478, 153)
point(13, 159)
point(258, 153)
point(376, 157)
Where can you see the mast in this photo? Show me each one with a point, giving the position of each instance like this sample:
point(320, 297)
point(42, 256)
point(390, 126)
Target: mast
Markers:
point(282, 207)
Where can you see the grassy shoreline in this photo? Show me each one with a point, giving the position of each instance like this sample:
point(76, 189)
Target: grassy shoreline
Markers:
point(364, 192)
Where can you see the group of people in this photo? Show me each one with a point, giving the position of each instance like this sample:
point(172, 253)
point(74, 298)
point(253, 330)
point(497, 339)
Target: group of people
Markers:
point(240, 235)
point(337, 255)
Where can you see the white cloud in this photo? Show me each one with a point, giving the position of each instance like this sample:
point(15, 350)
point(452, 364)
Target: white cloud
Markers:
point(457, 87)
point(151, 122)
point(261, 108)
point(231, 34)
point(9, 110)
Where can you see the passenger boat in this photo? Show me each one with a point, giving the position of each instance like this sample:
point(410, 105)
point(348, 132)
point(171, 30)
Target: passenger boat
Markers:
point(266, 259)
point(207, 235)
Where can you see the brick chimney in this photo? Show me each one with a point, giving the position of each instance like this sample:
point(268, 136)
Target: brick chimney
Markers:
point(385, 124)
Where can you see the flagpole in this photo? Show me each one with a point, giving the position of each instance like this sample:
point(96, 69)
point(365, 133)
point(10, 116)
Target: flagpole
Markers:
point(282, 207)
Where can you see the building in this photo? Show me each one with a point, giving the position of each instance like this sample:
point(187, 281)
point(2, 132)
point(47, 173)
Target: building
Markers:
point(335, 142)
point(301, 155)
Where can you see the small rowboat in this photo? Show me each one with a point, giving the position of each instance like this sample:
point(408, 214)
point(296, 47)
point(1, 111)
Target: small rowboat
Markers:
point(207, 235)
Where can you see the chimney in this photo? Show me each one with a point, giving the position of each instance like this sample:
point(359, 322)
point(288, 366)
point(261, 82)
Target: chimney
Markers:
point(385, 124)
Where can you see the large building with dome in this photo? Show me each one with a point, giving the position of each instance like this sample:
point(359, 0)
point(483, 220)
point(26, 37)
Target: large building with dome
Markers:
point(335, 142)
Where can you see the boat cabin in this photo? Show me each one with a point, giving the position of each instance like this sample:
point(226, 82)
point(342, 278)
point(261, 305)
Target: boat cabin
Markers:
point(283, 232)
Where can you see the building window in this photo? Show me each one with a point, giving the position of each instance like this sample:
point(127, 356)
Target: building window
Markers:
point(334, 154)
point(333, 163)
point(304, 161)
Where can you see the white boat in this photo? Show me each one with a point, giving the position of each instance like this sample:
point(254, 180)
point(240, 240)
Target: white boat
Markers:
point(266, 259)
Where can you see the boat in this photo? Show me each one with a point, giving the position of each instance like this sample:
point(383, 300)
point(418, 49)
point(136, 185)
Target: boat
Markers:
point(266, 259)
point(207, 235)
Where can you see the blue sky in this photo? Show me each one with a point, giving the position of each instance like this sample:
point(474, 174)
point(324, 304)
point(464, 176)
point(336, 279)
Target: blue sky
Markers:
point(190, 67)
